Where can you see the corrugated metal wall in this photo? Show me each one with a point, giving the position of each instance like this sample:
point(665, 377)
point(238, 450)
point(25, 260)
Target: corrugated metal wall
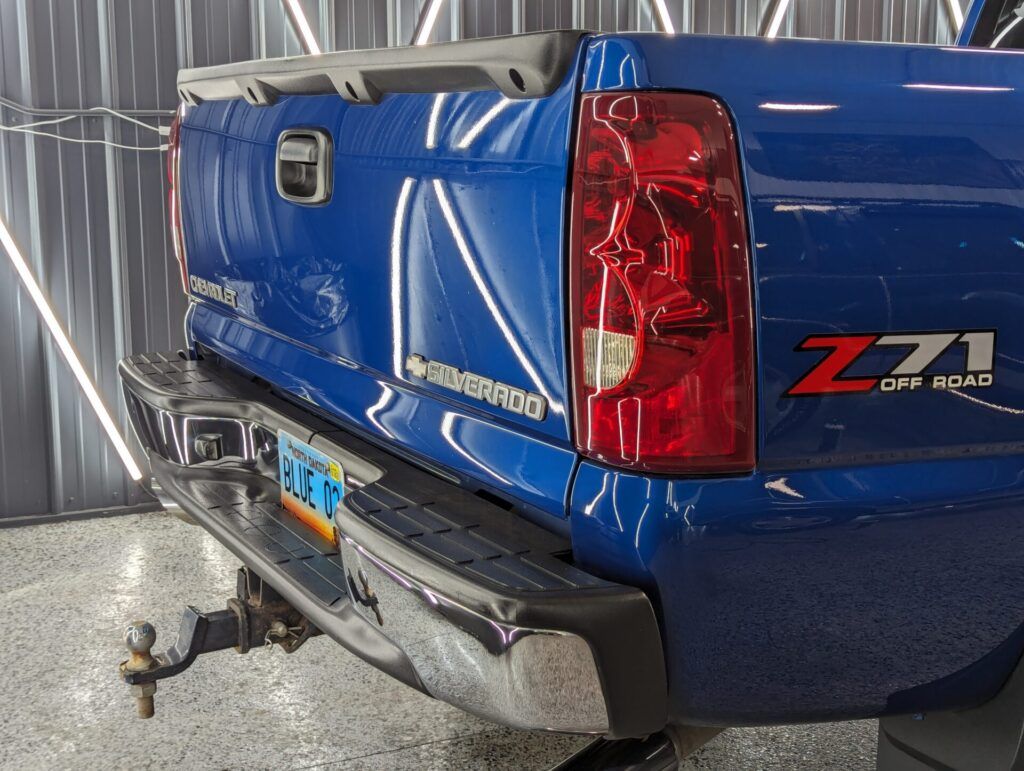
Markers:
point(91, 219)
point(906, 21)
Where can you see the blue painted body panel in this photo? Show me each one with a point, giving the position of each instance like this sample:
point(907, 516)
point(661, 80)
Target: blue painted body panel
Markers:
point(818, 594)
point(875, 552)
point(483, 452)
point(442, 237)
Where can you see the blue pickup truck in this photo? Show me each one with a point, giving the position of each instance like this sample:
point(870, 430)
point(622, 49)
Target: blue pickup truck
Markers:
point(599, 383)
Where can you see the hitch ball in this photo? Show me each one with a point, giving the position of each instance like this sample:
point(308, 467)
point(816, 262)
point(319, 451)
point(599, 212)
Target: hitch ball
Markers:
point(139, 638)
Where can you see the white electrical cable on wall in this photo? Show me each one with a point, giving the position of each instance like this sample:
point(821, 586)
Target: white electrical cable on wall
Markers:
point(51, 122)
point(29, 128)
point(75, 140)
point(127, 111)
point(163, 130)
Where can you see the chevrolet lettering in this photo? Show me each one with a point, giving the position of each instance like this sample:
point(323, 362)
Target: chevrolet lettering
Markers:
point(214, 291)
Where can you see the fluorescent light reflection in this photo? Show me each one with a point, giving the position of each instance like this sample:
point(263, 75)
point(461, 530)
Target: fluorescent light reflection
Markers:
point(447, 431)
point(64, 344)
point(797, 107)
point(435, 117)
point(952, 87)
point(477, 128)
point(386, 395)
point(488, 298)
point(397, 238)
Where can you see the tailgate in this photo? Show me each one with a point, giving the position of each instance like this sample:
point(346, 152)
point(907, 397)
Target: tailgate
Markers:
point(435, 266)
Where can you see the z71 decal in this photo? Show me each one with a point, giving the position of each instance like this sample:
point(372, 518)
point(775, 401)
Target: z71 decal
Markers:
point(923, 349)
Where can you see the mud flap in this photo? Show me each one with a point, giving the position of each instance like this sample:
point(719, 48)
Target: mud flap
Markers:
point(985, 738)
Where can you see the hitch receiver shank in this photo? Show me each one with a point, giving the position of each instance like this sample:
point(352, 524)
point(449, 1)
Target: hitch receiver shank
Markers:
point(256, 617)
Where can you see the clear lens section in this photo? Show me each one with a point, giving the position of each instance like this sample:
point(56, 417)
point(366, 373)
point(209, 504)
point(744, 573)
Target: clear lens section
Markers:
point(607, 357)
point(660, 286)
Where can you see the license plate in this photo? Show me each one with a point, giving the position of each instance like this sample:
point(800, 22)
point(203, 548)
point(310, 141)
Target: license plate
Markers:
point(312, 484)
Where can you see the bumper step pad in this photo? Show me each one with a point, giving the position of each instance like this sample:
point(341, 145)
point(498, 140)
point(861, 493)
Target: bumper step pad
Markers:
point(472, 536)
point(269, 529)
point(177, 375)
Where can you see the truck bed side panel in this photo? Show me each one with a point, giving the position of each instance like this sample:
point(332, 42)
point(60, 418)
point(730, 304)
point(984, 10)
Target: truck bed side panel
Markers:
point(886, 194)
point(872, 564)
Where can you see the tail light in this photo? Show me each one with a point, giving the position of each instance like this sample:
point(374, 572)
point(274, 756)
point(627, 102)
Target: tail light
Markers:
point(174, 198)
point(660, 286)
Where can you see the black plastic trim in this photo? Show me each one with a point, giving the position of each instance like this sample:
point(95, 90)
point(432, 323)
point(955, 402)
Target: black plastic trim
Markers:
point(986, 736)
point(520, 66)
point(321, 164)
point(985, 28)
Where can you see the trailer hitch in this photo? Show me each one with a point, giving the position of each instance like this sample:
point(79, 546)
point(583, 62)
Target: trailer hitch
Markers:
point(258, 616)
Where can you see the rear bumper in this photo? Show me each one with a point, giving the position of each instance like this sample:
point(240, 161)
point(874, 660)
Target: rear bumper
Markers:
point(445, 591)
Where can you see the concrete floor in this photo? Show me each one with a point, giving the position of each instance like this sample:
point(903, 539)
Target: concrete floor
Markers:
point(67, 590)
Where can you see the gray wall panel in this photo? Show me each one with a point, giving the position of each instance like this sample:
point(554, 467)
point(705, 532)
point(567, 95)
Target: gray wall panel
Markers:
point(276, 32)
point(92, 220)
point(916, 21)
point(359, 24)
point(93, 228)
point(23, 411)
point(489, 17)
point(212, 32)
point(549, 14)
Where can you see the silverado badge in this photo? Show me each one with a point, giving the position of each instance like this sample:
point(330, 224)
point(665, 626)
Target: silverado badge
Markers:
point(485, 389)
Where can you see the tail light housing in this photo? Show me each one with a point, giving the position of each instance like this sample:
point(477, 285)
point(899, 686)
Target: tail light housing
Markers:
point(660, 299)
point(174, 196)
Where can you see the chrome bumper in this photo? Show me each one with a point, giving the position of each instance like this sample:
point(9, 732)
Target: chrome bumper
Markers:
point(432, 584)
point(518, 676)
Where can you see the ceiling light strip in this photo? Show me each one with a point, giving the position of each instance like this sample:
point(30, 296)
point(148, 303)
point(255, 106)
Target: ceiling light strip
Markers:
point(777, 14)
point(429, 19)
point(663, 17)
point(302, 26)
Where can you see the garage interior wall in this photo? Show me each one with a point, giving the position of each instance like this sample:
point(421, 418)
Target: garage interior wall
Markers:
point(91, 219)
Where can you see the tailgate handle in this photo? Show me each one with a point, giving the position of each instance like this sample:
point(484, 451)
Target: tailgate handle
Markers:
point(304, 166)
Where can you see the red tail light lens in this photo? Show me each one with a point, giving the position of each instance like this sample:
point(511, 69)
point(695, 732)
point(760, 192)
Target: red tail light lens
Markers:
point(660, 286)
point(174, 199)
